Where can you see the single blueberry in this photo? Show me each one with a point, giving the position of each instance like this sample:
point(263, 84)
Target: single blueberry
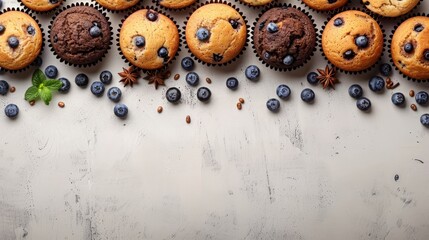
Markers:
point(398, 99)
point(252, 72)
point(283, 91)
point(65, 85)
point(204, 94)
point(385, 69)
point(173, 95)
point(152, 16)
point(192, 78)
point(106, 77)
point(422, 97)
point(338, 22)
point(51, 71)
point(13, 42)
point(234, 23)
point(97, 88)
point(361, 41)
point(232, 83)
point(408, 47)
point(120, 110)
point(312, 78)
point(2, 28)
point(349, 54)
point(139, 41)
point(95, 31)
point(4, 87)
point(203, 34)
point(163, 52)
point(38, 61)
point(114, 94)
point(355, 91)
point(272, 27)
point(81, 80)
point(288, 60)
point(187, 63)
point(363, 104)
point(376, 84)
point(418, 27)
point(273, 105)
point(307, 95)
point(31, 30)
point(424, 119)
point(11, 111)
point(426, 54)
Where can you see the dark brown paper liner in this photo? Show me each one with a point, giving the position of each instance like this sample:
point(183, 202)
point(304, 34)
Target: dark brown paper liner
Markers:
point(256, 7)
point(245, 44)
point(328, 12)
point(126, 10)
point(274, 5)
point(339, 10)
point(390, 18)
point(401, 20)
point(175, 9)
point(43, 38)
point(42, 12)
point(164, 67)
point(75, 5)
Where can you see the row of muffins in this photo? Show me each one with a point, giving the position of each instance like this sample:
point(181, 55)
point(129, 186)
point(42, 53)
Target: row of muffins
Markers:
point(216, 33)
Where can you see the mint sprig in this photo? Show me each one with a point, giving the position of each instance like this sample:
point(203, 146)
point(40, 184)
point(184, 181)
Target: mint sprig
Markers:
point(42, 87)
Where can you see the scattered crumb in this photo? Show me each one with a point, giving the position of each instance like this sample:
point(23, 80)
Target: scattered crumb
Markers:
point(12, 89)
point(159, 109)
point(61, 104)
point(208, 80)
point(176, 76)
point(241, 100)
point(239, 106)
point(414, 107)
point(188, 119)
point(396, 177)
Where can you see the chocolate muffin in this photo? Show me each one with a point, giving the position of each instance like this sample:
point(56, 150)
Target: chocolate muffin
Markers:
point(284, 37)
point(80, 35)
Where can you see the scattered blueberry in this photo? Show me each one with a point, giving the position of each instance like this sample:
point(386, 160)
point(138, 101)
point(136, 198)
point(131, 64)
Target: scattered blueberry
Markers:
point(31, 30)
point(163, 52)
point(398, 99)
point(385, 69)
point(252, 72)
point(51, 71)
point(152, 16)
point(4, 87)
point(95, 31)
point(355, 91)
point(81, 80)
point(13, 42)
point(424, 119)
point(203, 34)
point(376, 84)
point(173, 95)
point(187, 63)
point(232, 83)
point(106, 77)
point(272, 27)
point(139, 41)
point(283, 91)
point(349, 54)
point(312, 78)
point(192, 78)
point(422, 97)
point(363, 104)
point(11, 111)
point(408, 47)
point(121, 110)
point(204, 94)
point(338, 22)
point(307, 95)
point(361, 41)
point(114, 94)
point(288, 60)
point(273, 105)
point(1, 4)
point(97, 88)
point(65, 87)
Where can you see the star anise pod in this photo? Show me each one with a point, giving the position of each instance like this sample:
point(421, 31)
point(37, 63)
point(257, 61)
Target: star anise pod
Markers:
point(129, 76)
point(157, 77)
point(327, 77)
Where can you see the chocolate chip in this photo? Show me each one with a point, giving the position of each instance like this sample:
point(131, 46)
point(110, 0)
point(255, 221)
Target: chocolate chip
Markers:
point(418, 27)
point(151, 15)
point(349, 54)
point(217, 57)
point(338, 22)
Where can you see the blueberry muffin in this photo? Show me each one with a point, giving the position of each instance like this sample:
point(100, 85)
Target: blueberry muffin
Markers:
point(256, 2)
point(390, 8)
point(216, 33)
point(117, 5)
point(410, 48)
point(352, 41)
point(80, 35)
point(148, 39)
point(21, 40)
point(325, 5)
point(41, 5)
point(284, 37)
point(176, 4)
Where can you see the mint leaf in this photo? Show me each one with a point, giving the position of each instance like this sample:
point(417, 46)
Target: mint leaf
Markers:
point(52, 84)
point(32, 93)
point(46, 95)
point(38, 78)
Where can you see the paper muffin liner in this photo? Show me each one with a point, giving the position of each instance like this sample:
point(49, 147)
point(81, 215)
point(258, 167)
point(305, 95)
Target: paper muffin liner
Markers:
point(256, 7)
point(30, 13)
point(126, 10)
point(375, 17)
point(390, 18)
point(175, 9)
point(76, 5)
point(395, 27)
point(245, 44)
point(165, 66)
point(327, 12)
point(288, 5)
point(42, 12)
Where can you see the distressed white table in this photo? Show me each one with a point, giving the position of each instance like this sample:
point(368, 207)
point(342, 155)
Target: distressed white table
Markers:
point(320, 171)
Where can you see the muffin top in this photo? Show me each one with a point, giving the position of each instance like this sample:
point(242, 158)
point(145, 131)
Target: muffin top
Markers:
point(410, 48)
point(352, 41)
point(149, 39)
point(216, 33)
point(41, 5)
point(117, 5)
point(176, 4)
point(21, 40)
point(390, 8)
point(325, 5)
point(284, 37)
point(256, 2)
point(80, 35)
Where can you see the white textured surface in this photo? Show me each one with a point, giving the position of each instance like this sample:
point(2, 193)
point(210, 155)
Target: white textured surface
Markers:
point(320, 171)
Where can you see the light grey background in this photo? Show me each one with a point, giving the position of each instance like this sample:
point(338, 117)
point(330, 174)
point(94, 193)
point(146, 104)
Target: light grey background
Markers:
point(320, 171)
